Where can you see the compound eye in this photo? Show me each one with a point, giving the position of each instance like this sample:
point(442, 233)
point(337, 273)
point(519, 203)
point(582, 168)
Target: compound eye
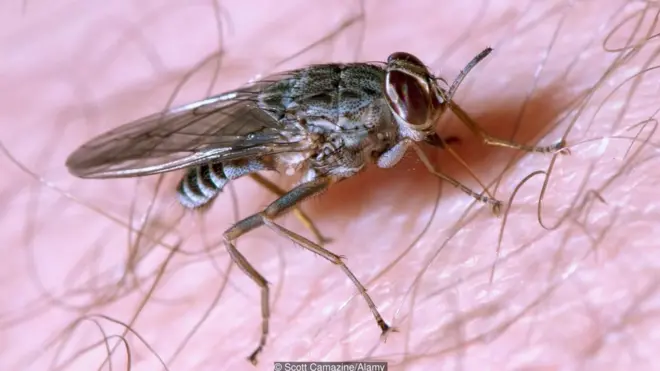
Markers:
point(405, 58)
point(408, 96)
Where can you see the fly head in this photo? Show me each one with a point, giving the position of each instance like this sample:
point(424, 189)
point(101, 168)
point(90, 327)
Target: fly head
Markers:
point(414, 97)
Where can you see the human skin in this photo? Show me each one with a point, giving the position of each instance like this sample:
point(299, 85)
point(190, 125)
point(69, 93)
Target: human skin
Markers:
point(579, 292)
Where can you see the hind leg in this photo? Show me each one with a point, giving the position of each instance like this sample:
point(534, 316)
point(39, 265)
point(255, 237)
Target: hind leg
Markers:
point(300, 215)
point(266, 217)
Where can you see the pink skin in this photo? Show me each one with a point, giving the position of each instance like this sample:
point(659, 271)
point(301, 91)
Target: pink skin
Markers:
point(582, 294)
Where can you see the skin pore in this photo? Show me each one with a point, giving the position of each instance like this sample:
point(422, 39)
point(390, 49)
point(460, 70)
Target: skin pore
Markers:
point(570, 284)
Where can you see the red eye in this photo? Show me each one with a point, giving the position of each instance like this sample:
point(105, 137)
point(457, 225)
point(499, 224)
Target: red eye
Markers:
point(408, 97)
point(404, 57)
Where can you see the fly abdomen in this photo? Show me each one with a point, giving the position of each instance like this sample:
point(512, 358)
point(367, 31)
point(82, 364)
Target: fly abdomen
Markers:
point(201, 185)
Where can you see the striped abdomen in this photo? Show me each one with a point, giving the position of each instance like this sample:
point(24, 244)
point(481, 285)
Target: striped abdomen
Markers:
point(201, 185)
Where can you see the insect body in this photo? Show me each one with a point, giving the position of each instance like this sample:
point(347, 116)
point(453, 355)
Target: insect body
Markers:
point(331, 117)
point(326, 121)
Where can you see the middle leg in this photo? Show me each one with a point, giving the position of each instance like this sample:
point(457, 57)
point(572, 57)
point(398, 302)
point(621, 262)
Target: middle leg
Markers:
point(392, 156)
point(300, 215)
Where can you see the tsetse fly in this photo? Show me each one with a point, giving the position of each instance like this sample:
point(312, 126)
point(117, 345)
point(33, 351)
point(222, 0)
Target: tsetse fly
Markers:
point(326, 121)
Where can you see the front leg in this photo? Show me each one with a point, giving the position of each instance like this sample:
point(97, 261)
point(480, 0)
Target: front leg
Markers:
point(393, 155)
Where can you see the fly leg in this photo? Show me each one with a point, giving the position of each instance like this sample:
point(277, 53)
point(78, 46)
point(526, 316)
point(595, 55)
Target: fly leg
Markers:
point(474, 127)
point(266, 217)
point(302, 217)
point(492, 141)
point(392, 156)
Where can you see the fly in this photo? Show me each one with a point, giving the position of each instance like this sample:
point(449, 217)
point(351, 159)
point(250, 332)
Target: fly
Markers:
point(325, 121)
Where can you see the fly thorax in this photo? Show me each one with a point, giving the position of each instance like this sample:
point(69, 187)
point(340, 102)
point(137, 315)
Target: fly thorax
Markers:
point(320, 125)
point(290, 162)
point(330, 147)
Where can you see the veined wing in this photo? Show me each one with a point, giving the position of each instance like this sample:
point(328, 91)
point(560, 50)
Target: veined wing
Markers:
point(225, 127)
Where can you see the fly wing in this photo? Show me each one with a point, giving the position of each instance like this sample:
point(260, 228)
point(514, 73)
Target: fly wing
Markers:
point(221, 128)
